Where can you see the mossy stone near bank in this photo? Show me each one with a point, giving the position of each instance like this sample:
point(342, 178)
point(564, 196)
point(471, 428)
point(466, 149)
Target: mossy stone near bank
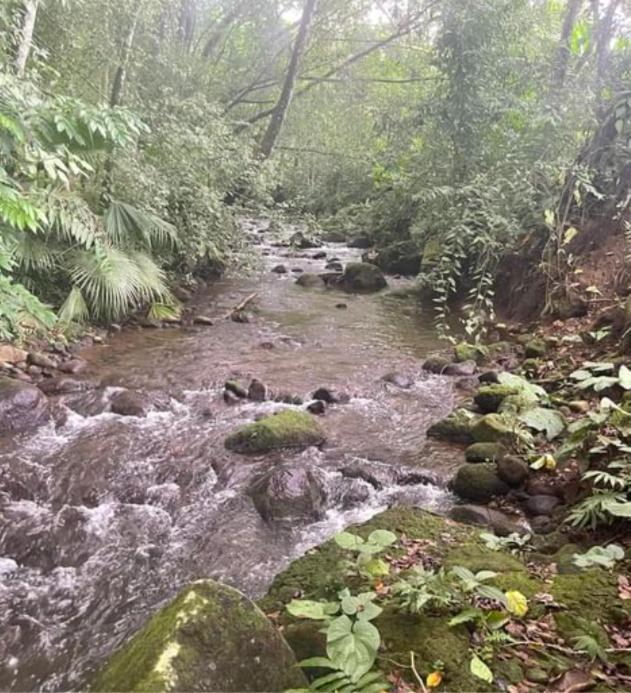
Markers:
point(286, 429)
point(209, 638)
point(478, 482)
point(490, 397)
point(485, 452)
point(471, 352)
point(320, 574)
point(455, 428)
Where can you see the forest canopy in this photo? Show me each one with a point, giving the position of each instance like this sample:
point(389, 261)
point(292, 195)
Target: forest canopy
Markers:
point(132, 133)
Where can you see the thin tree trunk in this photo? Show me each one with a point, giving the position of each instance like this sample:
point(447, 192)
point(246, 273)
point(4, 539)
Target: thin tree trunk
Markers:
point(603, 52)
point(26, 37)
point(187, 20)
point(563, 53)
point(280, 110)
point(121, 71)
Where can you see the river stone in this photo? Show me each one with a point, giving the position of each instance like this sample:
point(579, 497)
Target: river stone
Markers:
point(73, 366)
point(209, 638)
point(490, 397)
point(11, 354)
point(470, 352)
point(493, 428)
point(310, 280)
point(236, 388)
point(362, 242)
point(22, 406)
point(299, 240)
point(435, 364)
point(279, 269)
point(289, 493)
point(500, 523)
point(403, 257)
point(130, 403)
point(541, 505)
point(36, 358)
point(320, 255)
point(485, 452)
point(257, 391)
point(64, 385)
point(478, 483)
point(463, 368)
point(512, 470)
point(362, 277)
point(455, 428)
point(399, 379)
point(286, 429)
point(535, 348)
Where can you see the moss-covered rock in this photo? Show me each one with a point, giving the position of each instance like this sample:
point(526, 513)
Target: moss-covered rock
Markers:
point(535, 349)
point(512, 470)
point(470, 352)
point(490, 397)
point(493, 428)
point(310, 280)
point(455, 428)
point(210, 638)
point(362, 277)
point(399, 258)
point(286, 429)
point(485, 452)
point(478, 482)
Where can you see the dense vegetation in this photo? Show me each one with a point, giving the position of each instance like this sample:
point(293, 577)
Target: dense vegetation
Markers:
point(129, 133)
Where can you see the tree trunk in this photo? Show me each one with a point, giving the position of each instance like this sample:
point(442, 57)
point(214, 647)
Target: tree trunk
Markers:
point(187, 21)
point(26, 38)
point(563, 53)
point(121, 71)
point(280, 110)
point(603, 39)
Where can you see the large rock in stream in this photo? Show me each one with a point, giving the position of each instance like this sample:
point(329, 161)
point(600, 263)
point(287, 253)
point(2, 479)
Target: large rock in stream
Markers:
point(286, 429)
point(209, 638)
point(22, 406)
point(362, 277)
point(289, 493)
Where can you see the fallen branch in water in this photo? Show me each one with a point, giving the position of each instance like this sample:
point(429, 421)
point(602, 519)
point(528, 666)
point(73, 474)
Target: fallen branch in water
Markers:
point(240, 306)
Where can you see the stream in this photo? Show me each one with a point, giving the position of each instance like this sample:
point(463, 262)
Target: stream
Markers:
point(103, 518)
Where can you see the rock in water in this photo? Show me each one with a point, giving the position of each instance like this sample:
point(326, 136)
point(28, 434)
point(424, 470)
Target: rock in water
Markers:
point(287, 429)
point(289, 493)
point(209, 638)
point(257, 391)
point(362, 277)
point(478, 482)
point(310, 280)
point(22, 406)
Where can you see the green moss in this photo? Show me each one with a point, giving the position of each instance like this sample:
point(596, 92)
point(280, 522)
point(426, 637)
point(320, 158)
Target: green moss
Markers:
point(478, 482)
point(470, 352)
point(535, 348)
point(209, 638)
point(287, 429)
point(490, 397)
point(455, 428)
point(493, 428)
point(485, 452)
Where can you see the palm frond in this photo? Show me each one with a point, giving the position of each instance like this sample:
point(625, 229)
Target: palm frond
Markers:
point(74, 308)
point(114, 281)
point(33, 253)
point(124, 222)
point(71, 219)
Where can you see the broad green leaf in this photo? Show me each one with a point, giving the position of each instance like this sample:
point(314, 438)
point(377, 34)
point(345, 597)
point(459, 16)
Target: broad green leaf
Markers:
point(348, 541)
point(304, 608)
point(548, 420)
point(624, 376)
point(382, 537)
point(466, 616)
point(480, 670)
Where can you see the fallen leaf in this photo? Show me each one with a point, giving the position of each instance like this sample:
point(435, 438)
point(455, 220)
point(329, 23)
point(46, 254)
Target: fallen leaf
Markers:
point(573, 681)
point(624, 587)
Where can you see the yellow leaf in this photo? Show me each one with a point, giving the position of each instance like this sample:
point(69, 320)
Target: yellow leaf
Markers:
point(569, 235)
point(434, 679)
point(516, 603)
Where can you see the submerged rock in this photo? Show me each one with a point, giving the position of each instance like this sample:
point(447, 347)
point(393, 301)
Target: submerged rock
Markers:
point(287, 429)
point(478, 482)
point(399, 380)
point(435, 365)
point(22, 406)
point(362, 277)
point(310, 280)
point(209, 638)
point(130, 403)
point(289, 493)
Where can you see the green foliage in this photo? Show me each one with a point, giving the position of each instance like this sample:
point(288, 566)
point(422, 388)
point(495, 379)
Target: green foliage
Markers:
point(515, 543)
point(604, 556)
point(367, 562)
point(352, 641)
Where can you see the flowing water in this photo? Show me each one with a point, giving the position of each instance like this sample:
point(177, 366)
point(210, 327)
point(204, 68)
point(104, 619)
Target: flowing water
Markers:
point(103, 518)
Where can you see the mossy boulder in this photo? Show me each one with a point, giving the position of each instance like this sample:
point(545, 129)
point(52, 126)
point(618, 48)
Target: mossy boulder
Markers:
point(512, 470)
point(478, 482)
point(455, 428)
point(209, 638)
point(493, 428)
point(362, 277)
point(286, 429)
point(490, 397)
point(535, 349)
point(399, 258)
point(470, 352)
point(485, 452)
